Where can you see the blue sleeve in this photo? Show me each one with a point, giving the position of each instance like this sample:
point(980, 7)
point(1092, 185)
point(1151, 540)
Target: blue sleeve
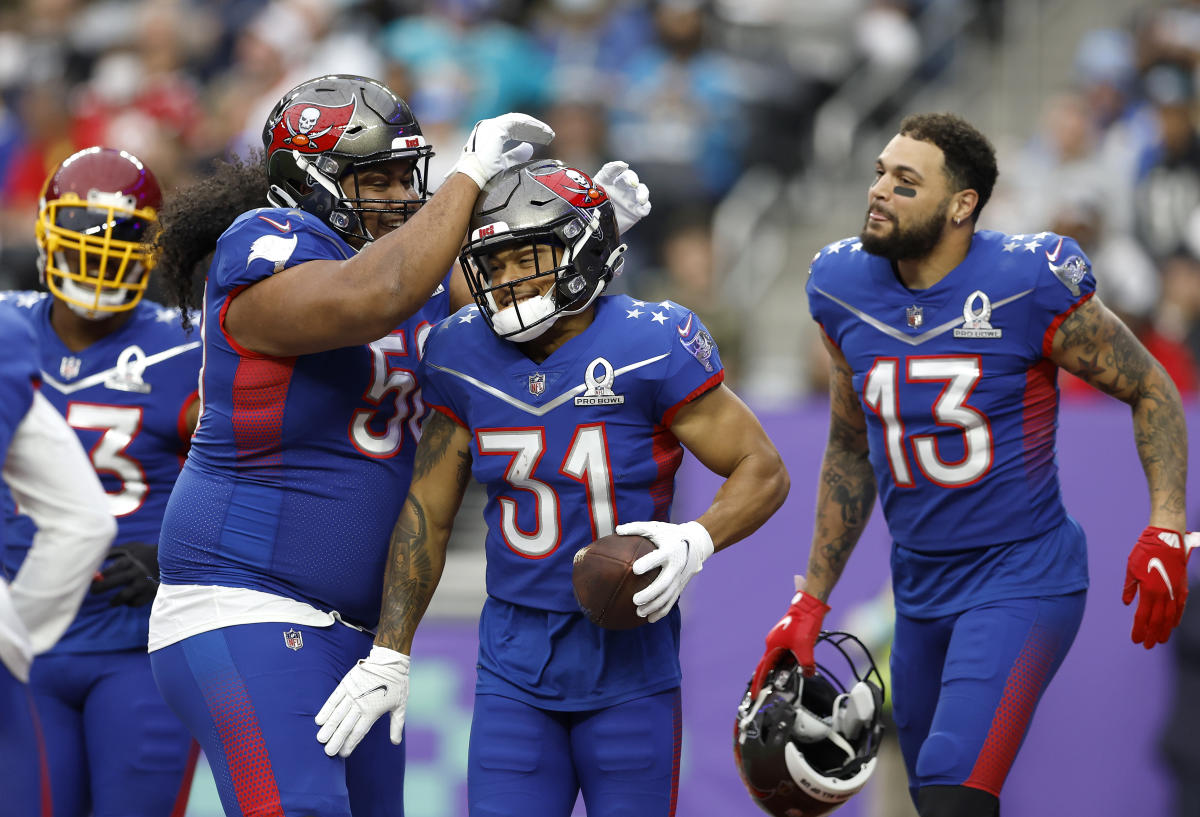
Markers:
point(1062, 279)
point(438, 390)
point(19, 372)
point(693, 367)
point(264, 242)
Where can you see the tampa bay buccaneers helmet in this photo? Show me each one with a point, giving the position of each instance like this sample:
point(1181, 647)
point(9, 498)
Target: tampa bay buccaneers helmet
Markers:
point(538, 203)
point(96, 218)
point(321, 134)
point(805, 744)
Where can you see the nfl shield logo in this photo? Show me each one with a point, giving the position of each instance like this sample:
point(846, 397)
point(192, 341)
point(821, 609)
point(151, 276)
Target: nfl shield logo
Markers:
point(915, 316)
point(537, 383)
point(293, 639)
point(69, 366)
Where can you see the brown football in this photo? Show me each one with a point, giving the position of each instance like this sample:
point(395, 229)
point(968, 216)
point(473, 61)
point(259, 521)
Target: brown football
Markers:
point(604, 580)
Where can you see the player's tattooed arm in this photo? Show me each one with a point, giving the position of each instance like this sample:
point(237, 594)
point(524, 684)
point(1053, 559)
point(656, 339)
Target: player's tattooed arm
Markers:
point(418, 547)
point(846, 490)
point(1095, 345)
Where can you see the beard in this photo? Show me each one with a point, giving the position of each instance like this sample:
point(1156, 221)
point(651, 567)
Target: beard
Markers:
point(906, 244)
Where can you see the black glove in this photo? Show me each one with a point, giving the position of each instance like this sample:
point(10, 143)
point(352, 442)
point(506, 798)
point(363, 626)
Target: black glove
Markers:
point(133, 567)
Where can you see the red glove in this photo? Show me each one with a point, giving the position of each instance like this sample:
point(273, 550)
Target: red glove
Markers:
point(796, 632)
point(1157, 569)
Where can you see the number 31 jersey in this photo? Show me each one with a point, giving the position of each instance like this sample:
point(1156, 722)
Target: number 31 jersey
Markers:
point(960, 398)
point(568, 449)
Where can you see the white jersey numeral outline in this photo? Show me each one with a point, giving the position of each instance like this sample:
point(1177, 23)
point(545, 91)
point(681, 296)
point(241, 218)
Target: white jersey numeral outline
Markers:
point(881, 394)
point(409, 408)
point(586, 461)
point(118, 425)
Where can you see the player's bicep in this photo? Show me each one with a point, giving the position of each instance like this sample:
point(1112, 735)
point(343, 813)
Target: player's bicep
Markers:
point(721, 430)
point(847, 423)
point(441, 470)
point(1096, 346)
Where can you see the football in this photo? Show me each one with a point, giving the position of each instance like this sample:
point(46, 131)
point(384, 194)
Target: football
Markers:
point(604, 580)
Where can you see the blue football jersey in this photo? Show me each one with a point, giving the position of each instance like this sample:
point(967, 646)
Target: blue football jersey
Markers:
point(127, 397)
point(960, 398)
point(568, 449)
point(299, 465)
point(19, 375)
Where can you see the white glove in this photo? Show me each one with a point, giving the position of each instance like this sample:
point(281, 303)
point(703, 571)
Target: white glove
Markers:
point(681, 551)
point(376, 684)
point(630, 198)
point(484, 156)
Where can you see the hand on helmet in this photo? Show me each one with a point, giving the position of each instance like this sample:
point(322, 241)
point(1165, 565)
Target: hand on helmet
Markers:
point(133, 567)
point(376, 684)
point(797, 633)
point(484, 155)
point(1156, 572)
point(680, 550)
point(629, 196)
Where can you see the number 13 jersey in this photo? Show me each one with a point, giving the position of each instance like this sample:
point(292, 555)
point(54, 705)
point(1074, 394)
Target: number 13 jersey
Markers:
point(959, 393)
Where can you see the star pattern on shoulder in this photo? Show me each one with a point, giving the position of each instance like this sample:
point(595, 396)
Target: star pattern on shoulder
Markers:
point(666, 304)
point(166, 315)
point(1031, 246)
point(471, 315)
point(1042, 236)
point(638, 303)
point(856, 246)
point(659, 318)
point(633, 313)
point(1011, 246)
point(835, 247)
point(28, 299)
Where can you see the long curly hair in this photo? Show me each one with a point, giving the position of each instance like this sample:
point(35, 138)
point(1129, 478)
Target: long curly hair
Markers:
point(195, 216)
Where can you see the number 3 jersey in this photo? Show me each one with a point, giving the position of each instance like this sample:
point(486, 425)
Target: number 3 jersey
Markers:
point(127, 397)
point(961, 404)
point(568, 449)
point(299, 465)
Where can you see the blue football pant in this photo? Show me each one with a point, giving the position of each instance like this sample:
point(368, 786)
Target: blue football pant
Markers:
point(965, 686)
point(525, 761)
point(250, 700)
point(114, 747)
point(24, 778)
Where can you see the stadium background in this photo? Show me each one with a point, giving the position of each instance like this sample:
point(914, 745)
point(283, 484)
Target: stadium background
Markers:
point(755, 122)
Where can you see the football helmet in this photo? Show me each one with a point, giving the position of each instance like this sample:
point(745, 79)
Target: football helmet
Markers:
point(805, 744)
point(322, 132)
point(542, 203)
point(96, 218)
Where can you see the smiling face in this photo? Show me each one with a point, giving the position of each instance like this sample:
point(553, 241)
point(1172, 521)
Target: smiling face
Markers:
point(383, 192)
point(532, 261)
point(910, 201)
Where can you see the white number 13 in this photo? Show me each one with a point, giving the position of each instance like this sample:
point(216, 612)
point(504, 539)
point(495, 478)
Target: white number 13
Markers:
point(881, 395)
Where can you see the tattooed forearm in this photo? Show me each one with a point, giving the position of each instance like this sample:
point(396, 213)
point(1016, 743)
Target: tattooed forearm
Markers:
point(414, 567)
point(436, 435)
point(845, 497)
point(1096, 346)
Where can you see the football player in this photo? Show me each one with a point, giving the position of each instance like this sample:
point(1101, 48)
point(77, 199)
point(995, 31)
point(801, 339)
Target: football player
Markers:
point(573, 409)
point(315, 310)
point(945, 344)
point(123, 373)
point(47, 472)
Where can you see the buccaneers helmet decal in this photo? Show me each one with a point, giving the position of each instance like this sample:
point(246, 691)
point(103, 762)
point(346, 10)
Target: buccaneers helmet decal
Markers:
point(572, 185)
point(311, 127)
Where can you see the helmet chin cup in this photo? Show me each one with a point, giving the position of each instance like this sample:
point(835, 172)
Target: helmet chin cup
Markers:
point(527, 320)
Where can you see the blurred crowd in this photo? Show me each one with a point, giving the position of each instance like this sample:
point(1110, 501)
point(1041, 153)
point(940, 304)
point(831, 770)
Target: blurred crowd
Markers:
point(1115, 163)
point(693, 93)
